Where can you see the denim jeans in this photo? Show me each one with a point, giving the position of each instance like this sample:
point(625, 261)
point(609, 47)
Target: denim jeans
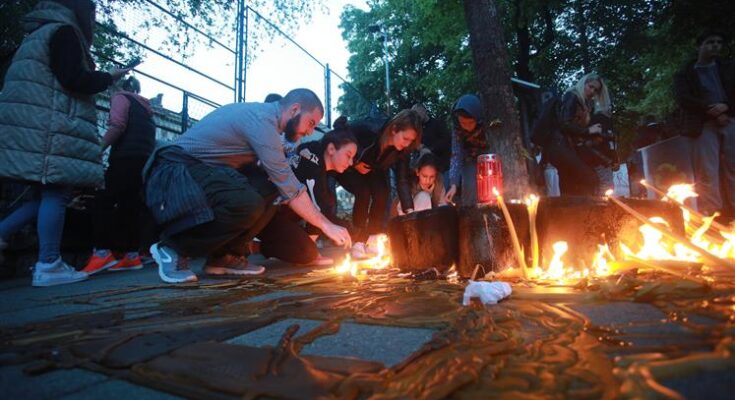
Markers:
point(49, 210)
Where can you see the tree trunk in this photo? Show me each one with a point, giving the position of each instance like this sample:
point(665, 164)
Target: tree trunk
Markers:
point(492, 71)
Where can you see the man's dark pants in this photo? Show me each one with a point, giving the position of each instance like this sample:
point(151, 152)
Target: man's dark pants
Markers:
point(242, 206)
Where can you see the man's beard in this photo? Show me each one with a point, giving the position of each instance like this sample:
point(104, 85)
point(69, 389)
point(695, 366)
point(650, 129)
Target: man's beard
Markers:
point(290, 130)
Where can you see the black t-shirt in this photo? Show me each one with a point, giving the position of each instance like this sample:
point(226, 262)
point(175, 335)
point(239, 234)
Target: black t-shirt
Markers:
point(309, 167)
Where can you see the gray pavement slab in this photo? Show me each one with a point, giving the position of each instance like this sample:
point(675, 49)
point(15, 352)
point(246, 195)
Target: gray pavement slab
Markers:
point(17, 385)
point(117, 389)
point(43, 313)
point(389, 345)
point(271, 334)
point(710, 385)
point(620, 313)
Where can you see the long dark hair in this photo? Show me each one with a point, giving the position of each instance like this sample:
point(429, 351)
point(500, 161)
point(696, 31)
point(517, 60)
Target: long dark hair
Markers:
point(82, 9)
point(339, 138)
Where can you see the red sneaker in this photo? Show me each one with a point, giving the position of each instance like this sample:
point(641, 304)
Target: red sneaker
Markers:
point(97, 263)
point(128, 264)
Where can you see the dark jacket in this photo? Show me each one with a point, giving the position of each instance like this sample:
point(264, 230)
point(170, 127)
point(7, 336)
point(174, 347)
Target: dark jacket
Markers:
point(574, 117)
point(692, 112)
point(466, 146)
point(369, 152)
point(436, 137)
point(48, 130)
point(139, 137)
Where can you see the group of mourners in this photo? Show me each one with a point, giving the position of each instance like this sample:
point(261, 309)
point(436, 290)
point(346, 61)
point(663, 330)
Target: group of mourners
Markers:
point(241, 174)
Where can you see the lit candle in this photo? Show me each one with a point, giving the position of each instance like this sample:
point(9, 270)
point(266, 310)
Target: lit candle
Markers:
point(671, 235)
point(513, 235)
point(532, 204)
point(696, 214)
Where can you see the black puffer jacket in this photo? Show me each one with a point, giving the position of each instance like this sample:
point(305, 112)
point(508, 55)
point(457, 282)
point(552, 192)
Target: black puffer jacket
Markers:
point(369, 152)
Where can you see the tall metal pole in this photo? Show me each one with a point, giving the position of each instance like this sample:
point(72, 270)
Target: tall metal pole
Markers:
point(328, 95)
point(239, 52)
point(387, 70)
point(245, 56)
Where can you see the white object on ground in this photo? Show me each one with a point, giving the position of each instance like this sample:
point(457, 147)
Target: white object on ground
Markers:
point(488, 292)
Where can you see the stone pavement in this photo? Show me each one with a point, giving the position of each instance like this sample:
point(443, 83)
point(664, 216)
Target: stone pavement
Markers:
point(127, 335)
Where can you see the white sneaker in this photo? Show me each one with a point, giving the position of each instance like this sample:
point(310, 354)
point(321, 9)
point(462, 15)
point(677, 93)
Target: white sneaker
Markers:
point(371, 246)
point(171, 267)
point(359, 251)
point(55, 273)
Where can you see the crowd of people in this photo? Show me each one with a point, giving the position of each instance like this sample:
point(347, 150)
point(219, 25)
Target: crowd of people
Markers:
point(240, 174)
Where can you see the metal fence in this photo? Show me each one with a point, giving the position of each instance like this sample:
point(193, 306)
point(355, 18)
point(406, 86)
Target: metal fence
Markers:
point(188, 72)
point(183, 82)
point(293, 60)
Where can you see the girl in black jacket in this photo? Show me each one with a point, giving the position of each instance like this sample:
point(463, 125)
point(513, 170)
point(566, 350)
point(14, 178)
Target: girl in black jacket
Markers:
point(368, 179)
point(283, 237)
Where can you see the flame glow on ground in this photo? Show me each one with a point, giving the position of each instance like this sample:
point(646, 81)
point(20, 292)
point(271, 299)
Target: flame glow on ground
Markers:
point(380, 261)
point(653, 248)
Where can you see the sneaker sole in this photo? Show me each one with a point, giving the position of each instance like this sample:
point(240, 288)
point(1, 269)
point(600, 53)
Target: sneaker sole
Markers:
point(133, 268)
point(47, 284)
point(157, 258)
point(220, 271)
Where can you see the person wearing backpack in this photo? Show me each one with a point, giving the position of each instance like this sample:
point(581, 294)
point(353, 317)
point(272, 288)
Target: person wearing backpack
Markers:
point(119, 208)
point(564, 123)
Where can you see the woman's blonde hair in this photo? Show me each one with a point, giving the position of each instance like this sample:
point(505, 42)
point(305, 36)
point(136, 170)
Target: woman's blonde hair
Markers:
point(405, 119)
point(601, 102)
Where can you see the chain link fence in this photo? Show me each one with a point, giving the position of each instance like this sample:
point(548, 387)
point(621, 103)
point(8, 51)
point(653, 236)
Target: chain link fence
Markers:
point(185, 72)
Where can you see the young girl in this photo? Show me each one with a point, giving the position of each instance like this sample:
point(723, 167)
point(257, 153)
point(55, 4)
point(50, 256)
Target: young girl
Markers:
point(368, 179)
point(427, 189)
point(312, 162)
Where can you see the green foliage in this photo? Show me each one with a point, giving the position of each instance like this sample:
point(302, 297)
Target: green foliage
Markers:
point(216, 18)
point(637, 45)
point(429, 56)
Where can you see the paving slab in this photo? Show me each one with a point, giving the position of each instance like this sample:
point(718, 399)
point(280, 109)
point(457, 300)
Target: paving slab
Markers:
point(42, 313)
point(389, 345)
point(117, 389)
point(271, 334)
point(712, 385)
point(52, 385)
point(620, 313)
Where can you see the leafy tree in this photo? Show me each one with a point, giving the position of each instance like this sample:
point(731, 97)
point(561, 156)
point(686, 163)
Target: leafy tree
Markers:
point(637, 45)
point(429, 55)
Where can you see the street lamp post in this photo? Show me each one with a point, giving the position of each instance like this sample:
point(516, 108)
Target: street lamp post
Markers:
point(384, 32)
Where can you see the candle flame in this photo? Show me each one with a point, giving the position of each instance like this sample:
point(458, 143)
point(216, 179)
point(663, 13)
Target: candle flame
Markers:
point(381, 260)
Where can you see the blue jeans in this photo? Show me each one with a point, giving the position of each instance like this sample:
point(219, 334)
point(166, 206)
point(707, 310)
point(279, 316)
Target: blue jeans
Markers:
point(49, 210)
